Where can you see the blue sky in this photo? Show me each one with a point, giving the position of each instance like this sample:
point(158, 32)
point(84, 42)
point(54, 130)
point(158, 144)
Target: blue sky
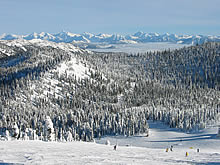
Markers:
point(110, 16)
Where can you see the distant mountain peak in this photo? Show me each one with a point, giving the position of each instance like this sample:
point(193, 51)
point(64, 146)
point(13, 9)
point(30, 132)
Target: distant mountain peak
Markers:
point(139, 36)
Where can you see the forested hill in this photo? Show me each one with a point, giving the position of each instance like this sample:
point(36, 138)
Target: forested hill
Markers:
point(55, 91)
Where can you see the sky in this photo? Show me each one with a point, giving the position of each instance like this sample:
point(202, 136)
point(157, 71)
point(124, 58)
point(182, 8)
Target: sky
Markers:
point(110, 16)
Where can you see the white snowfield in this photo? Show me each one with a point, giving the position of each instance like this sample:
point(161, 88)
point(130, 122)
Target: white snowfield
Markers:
point(131, 150)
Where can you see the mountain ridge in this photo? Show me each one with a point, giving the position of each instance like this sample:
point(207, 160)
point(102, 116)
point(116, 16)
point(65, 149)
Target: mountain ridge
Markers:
point(138, 37)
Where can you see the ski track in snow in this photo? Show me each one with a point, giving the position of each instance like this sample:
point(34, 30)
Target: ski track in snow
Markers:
point(131, 150)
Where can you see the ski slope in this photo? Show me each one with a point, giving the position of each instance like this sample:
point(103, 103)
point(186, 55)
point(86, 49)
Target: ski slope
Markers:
point(161, 136)
point(131, 150)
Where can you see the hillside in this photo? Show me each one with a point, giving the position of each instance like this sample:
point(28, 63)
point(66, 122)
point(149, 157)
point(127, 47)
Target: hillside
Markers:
point(58, 82)
point(55, 91)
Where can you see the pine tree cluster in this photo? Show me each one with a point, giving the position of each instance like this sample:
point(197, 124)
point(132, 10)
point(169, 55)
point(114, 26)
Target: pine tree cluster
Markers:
point(79, 108)
point(117, 95)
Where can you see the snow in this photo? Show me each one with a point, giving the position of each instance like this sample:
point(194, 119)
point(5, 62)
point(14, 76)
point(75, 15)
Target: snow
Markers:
point(101, 35)
point(6, 52)
point(43, 43)
point(52, 86)
point(48, 83)
point(186, 37)
point(63, 46)
point(130, 150)
point(85, 37)
point(73, 67)
point(162, 136)
point(16, 43)
point(137, 149)
point(179, 42)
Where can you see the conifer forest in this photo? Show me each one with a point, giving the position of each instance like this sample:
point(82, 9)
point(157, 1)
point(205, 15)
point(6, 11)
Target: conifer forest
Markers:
point(61, 93)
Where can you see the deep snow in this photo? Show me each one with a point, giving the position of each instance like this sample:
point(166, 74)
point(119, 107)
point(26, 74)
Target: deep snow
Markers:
point(130, 150)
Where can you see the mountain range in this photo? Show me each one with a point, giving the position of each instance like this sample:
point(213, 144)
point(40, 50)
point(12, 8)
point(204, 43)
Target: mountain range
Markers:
point(139, 37)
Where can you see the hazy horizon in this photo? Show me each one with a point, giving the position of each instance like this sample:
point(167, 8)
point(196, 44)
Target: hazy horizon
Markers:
point(119, 17)
point(97, 33)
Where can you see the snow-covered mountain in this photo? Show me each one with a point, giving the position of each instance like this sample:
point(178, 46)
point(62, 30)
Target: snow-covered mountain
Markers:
point(22, 43)
point(139, 37)
point(58, 93)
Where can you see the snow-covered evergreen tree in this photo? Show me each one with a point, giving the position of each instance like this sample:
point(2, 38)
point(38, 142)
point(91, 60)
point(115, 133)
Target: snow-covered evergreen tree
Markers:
point(218, 135)
point(15, 130)
point(49, 130)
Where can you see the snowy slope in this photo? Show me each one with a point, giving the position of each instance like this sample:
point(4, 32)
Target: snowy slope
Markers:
point(142, 150)
point(51, 85)
point(48, 84)
point(6, 52)
point(161, 136)
point(42, 43)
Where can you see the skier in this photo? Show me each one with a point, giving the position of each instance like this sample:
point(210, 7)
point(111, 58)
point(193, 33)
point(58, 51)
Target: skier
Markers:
point(115, 146)
point(171, 148)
